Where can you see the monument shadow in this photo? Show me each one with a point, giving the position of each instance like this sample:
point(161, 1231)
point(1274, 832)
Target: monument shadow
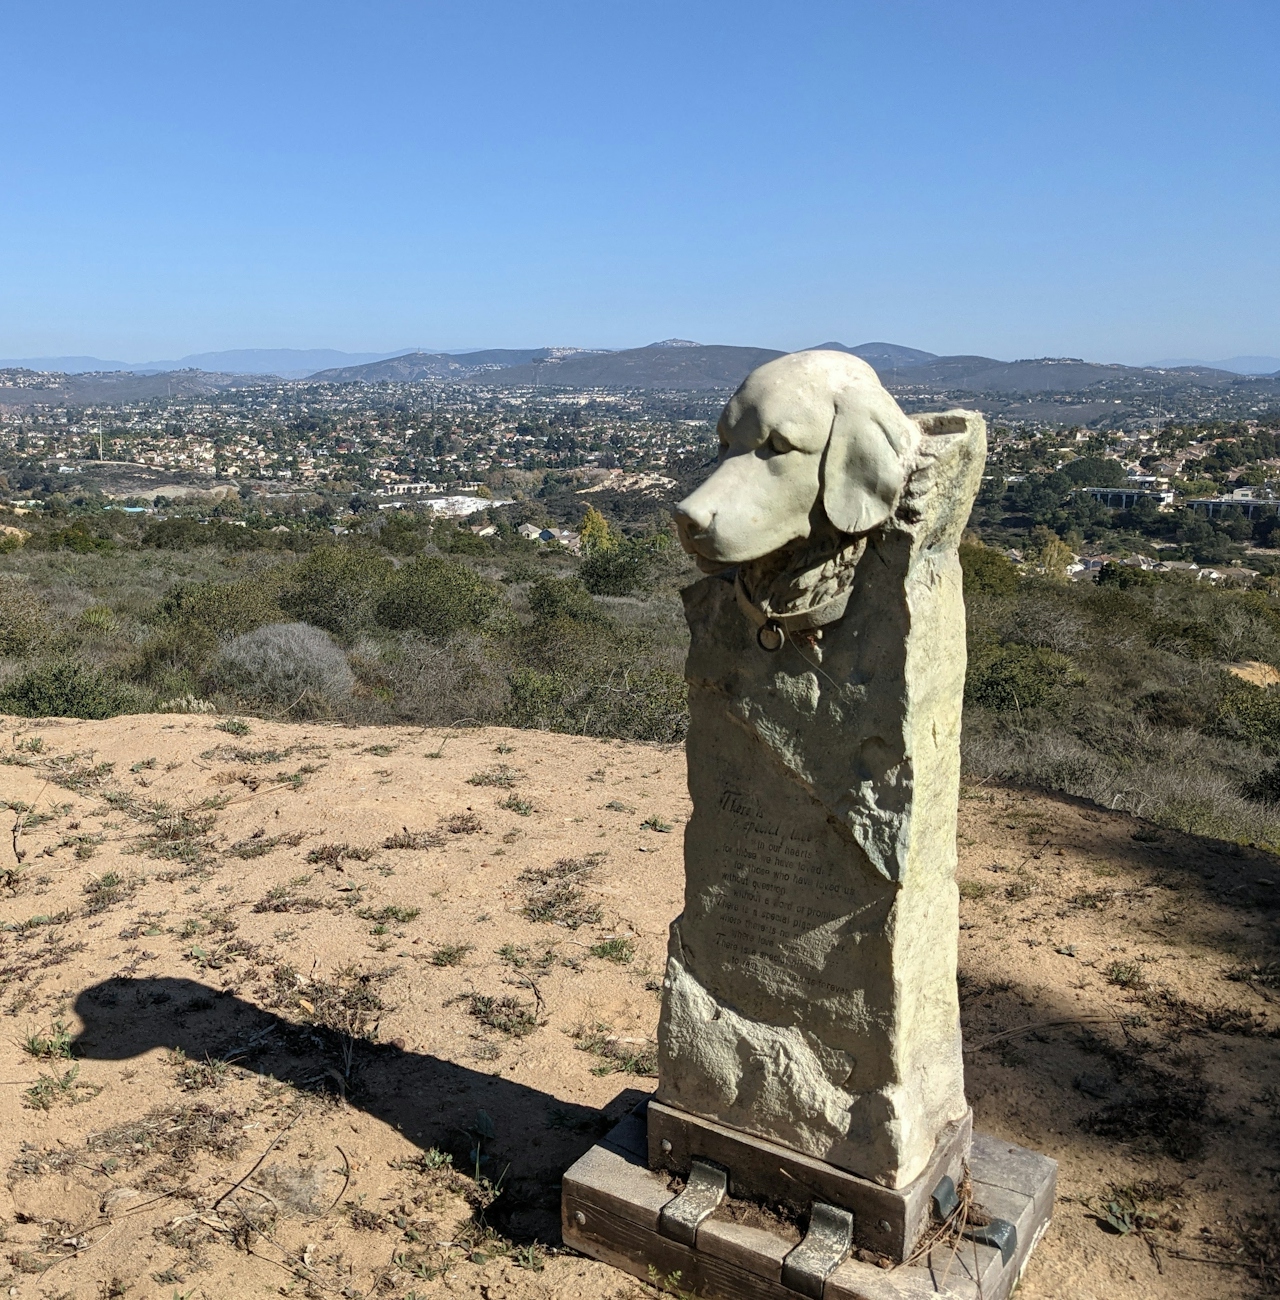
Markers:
point(432, 1102)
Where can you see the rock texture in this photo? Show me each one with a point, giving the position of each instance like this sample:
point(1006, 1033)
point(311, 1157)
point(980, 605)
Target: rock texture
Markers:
point(810, 995)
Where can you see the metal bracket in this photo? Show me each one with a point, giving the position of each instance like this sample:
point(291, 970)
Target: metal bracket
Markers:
point(705, 1190)
point(945, 1198)
point(999, 1233)
point(829, 1239)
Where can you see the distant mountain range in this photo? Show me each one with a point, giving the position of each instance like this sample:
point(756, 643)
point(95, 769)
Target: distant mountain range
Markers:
point(684, 365)
point(672, 364)
point(407, 367)
point(288, 363)
point(22, 388)
point(1238, 365)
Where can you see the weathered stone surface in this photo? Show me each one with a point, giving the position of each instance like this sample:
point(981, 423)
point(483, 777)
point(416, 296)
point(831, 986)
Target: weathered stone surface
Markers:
point(810, 994)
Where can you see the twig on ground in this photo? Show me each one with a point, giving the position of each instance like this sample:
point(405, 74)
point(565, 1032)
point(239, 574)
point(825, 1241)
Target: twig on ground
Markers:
point(274, 1143)
point(1040, 1024)
point(346, 1181)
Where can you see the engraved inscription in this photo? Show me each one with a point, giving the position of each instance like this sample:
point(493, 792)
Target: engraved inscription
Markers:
point(770, 886)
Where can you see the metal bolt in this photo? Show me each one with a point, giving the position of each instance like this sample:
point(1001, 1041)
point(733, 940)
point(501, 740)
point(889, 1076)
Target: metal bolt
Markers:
point(885, 1226)
point(579, 1218)
point(666, 1146)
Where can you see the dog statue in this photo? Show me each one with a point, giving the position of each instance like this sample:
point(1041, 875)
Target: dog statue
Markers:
point(810, 995)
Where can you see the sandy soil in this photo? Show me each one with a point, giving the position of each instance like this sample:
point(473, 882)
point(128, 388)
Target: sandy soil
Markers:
point(273, 1000)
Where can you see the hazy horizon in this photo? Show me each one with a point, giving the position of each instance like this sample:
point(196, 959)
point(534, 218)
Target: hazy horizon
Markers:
point(262, 360)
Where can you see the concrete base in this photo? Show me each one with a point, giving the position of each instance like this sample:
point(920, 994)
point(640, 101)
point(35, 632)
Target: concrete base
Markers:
point(612, 1201)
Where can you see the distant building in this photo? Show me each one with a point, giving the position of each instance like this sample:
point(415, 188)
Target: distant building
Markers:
point(1252, 501)
point(1125, 498)
point(407, 489)
point(567, 538)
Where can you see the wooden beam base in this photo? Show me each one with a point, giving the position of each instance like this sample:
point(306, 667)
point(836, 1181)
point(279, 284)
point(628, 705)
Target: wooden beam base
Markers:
point(887, 1220)
point(612, 1202)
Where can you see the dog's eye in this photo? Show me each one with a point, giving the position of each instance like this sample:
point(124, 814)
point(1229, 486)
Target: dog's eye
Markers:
point(778, 443)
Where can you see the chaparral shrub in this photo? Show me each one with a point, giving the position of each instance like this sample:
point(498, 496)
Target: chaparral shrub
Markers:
point(438, 597)
point(336, 587)
point(284, 663)
point(67, 688)
point(23, 621)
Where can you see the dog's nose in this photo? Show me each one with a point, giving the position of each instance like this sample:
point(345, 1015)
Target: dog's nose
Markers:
point(693, 516)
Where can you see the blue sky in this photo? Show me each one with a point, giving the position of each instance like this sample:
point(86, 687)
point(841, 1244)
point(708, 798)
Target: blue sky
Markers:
point(1017, 179)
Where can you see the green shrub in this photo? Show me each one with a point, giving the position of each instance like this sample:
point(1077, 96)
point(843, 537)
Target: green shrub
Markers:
point(75, 537)
point(1265, 786)
point(1190, 638)
point(67, 688)
point(1015, 676)
point(986, 571)
point(222, 608)
point(459, 541)
point(647, 704)
point(1125, 576)
point(402, 535)
point(23, 621)
point(336, 587)
point(174, 662)
point(563, 598)
point(186, 534)
point(620, 570)
point(1249, 713)
point(438, 598)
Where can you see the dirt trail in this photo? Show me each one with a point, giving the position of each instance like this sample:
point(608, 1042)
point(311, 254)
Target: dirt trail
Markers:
point(275, 999)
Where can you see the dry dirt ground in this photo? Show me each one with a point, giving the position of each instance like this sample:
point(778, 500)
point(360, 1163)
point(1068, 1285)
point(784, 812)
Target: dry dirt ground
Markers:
point(312, 1011)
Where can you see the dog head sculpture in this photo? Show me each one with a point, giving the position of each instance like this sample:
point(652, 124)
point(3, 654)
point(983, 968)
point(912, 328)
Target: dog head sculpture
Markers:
point(809, 435)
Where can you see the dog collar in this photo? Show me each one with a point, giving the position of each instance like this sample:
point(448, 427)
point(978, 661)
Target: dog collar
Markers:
point(772, 627)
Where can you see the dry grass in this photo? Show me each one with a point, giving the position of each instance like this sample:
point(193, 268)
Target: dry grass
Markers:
point(556, 895)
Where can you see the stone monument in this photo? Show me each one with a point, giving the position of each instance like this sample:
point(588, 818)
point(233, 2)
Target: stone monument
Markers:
point(810, 1070)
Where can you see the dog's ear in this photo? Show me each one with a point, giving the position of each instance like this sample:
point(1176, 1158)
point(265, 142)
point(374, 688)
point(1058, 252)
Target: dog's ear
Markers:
point(868, 456)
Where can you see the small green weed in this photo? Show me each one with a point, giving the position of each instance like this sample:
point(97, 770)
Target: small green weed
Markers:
point(333, 855)
point(66, 1089)
point(655, 823)
point(233, 727)
point(55, 1045)
point(617, 1055)
point(391, 912)
point(617, 950)
point(404, 838)
point(555, 894)
point(1126, 975)
point(451, 954)
point(106, 890)
point(513, 803)
point(507, 1015)
point(518, 957)
point(531, 1257)
point(196, 1076)
point(502, 775)
point(259, 844)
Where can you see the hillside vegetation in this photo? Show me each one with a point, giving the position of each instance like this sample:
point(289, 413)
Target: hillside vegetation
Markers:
point(1119, 691)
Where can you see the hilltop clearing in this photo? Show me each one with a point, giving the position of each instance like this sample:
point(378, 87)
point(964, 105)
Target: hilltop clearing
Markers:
point(326, 1010)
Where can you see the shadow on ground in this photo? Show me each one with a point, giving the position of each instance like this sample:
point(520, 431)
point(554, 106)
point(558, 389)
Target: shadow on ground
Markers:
point(430, 1101)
